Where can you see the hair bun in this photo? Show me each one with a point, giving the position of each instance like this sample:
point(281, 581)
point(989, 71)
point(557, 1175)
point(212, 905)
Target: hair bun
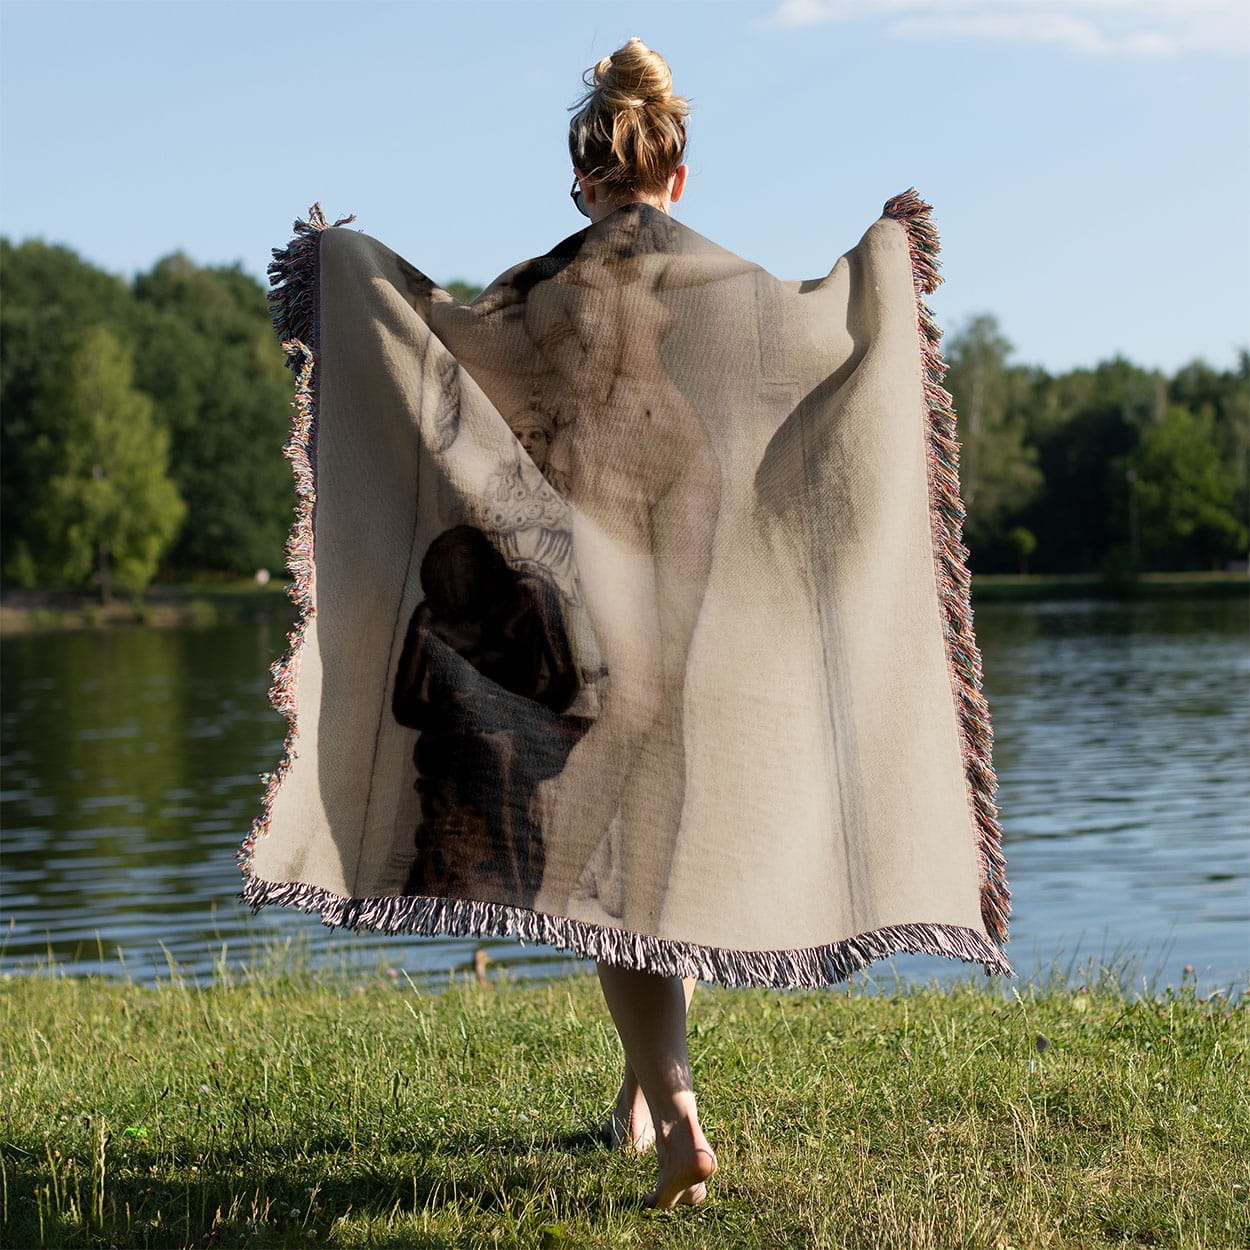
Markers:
point(634, 76)
point(630, 129)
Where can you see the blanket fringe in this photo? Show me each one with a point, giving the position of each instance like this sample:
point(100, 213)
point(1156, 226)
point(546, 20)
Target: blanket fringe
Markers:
point(293, 304)
point(293, 281)
point(947, 513)
point(808, 968)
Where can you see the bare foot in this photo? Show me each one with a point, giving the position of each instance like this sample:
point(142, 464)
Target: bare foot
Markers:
point(686, 1165)
point(629, 1126)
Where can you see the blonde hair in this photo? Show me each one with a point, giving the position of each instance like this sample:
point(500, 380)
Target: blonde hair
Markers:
point(629, 133)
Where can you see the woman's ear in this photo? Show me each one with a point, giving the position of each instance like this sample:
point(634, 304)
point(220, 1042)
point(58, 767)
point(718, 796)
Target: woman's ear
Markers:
point(678, 184)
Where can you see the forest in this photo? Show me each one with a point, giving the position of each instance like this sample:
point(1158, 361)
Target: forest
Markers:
point(143, 422)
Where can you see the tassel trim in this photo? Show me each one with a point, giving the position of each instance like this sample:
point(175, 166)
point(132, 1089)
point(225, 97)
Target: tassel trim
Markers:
point(293, 281)
point(946, 516)
point(808, 968)
point(294, 305)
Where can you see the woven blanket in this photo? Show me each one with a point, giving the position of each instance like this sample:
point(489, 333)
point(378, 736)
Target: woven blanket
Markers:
point(634, 615)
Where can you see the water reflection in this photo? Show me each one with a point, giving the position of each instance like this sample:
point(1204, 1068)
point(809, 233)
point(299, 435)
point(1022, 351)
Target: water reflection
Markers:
point(1122, 733)
point(131, 762)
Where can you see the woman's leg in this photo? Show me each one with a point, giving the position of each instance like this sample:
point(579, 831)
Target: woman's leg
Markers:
point(629, 1124)
point(650, 1015)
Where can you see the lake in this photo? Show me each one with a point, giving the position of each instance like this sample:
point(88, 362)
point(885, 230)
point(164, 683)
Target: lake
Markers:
point(1122, 732)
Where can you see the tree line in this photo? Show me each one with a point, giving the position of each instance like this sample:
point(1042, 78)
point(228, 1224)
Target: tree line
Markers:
point(142, 423)
point(1112, 470)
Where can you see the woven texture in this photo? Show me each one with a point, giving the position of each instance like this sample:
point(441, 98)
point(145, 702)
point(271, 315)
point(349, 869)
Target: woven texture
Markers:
point(634, 615)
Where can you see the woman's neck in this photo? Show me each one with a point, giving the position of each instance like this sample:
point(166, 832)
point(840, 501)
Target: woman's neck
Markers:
point(605, 208)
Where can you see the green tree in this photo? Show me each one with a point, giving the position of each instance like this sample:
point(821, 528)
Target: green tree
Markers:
point(1222, 397)
point(1086, 423)
point(464, 291)
point(1023, 543)
point(998, 473)
point(208, 357)
point(104, 505)
point(51, 299)
point(1185, 495)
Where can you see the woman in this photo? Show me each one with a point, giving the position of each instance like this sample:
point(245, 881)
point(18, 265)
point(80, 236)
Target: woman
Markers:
point(642, 485)
point(627, 142)
point(689, 678)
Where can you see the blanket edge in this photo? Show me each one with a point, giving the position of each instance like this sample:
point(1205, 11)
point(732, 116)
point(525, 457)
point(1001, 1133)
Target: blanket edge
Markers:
point(812, 967)
point(293, 302)
point(946, 515)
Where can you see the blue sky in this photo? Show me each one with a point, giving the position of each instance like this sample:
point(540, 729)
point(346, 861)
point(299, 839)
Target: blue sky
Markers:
point(1089, 160)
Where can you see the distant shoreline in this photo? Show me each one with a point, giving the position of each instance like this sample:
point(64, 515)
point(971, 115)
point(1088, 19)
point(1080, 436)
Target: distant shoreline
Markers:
point(996, 587)
point(163, 606)
point(195, 604)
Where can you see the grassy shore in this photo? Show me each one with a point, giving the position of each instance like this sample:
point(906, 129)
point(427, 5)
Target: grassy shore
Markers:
point(995, 587)
point(165, 606)
point(287, 1109)
point(212, 603)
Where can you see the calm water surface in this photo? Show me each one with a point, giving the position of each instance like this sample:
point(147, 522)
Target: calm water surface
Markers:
point(1122, 730)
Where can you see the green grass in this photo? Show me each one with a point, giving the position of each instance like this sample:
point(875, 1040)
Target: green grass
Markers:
point(283, 1108)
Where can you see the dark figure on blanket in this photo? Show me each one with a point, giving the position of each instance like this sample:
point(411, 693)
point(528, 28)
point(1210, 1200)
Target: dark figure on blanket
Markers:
point(485, 673)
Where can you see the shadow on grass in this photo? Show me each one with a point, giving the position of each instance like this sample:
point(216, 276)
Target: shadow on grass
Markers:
point(263, 1198)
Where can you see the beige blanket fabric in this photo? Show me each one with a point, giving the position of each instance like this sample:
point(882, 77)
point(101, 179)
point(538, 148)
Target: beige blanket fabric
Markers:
point(634, 613)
